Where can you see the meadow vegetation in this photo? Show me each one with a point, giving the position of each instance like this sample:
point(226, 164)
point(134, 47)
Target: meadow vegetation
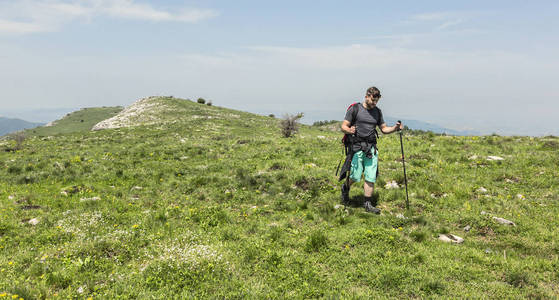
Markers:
point(218, 204)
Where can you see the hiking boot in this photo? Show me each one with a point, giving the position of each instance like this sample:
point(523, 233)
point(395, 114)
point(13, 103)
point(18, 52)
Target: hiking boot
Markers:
point(370, 208)
point(345, 194)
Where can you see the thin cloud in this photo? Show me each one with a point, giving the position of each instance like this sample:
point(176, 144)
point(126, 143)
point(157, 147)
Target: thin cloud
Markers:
point(445, 20)
point(448, 24)
point(34, 16)
point(436, 16)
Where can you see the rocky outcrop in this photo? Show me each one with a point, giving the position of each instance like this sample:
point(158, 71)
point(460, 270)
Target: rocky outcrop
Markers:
point(145, 111)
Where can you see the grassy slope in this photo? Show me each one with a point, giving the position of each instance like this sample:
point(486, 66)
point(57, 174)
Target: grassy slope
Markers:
point(229, 208)
point(78, 121)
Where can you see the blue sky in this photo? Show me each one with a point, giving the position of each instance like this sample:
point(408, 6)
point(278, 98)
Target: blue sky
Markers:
point(490, 66)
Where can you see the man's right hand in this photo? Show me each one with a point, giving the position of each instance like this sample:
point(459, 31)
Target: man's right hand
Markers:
point(351, 130)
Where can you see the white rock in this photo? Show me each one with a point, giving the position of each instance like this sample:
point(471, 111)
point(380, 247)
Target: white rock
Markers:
point(473, 157)
point(184, 157)
point(391, 185)
point(494, 158)
point(64, 193)
point(401, 216)
point(467, 228)
point(504, 221)
point(136, 188)
point(482, 190)
point(90, 199)
point(10, 197)
point(484, 212)
point(520, 196)
point(451, 238)
point(33, 221)
point(80, 290)
point(338, 206)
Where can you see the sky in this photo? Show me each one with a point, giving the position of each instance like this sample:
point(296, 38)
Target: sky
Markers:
point(489, 66)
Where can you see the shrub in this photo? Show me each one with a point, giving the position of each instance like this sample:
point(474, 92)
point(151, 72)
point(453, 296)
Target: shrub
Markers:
point(201, 100)
point(19, 138)
point(209, 103)
point(290, 124)
point(325, 122)
point(271, 115)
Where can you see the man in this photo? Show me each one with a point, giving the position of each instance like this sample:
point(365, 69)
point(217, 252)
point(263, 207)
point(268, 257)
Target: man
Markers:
point(360, 126)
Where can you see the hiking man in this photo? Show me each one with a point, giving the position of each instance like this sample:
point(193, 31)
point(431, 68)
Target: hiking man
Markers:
point(359, 125)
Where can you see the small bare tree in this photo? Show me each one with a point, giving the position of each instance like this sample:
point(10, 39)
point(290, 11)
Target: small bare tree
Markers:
point(18, 138)
point(290, 124)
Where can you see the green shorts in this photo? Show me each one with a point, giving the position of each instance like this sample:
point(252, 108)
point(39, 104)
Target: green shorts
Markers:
point(362, 164)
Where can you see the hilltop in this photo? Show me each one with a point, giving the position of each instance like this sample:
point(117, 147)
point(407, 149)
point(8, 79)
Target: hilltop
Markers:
point(191, 200)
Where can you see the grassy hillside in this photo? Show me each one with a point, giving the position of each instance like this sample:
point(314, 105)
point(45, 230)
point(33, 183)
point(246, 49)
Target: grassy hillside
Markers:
point(218, 204)
point(78, 121)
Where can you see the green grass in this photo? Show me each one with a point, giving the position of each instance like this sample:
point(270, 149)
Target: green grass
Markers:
point(79, 121)
point(218, 205)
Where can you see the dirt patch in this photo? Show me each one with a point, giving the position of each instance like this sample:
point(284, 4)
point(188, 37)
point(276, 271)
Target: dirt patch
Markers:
point(30, 207)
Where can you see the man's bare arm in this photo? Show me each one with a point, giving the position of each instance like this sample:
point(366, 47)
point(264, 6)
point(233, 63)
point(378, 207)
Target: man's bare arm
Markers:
point(390, 129)
point(346, 129)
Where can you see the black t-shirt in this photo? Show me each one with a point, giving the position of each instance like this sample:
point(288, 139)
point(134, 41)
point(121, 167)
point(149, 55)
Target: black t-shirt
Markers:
point(366, 119)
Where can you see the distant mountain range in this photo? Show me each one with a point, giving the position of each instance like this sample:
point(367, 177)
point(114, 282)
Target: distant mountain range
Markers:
point(8, 125)
point(314, 116)
point(420, 125)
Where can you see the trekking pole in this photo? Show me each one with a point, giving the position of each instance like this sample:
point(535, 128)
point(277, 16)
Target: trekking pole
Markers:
point(404, 164)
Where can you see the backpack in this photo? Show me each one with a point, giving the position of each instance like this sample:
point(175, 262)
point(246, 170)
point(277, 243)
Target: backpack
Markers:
point(346, 139)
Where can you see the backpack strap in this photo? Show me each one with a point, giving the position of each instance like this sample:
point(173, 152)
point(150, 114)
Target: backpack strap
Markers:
point(355, 110)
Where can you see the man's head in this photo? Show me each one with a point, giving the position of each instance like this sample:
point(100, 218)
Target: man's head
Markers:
point(371, 97)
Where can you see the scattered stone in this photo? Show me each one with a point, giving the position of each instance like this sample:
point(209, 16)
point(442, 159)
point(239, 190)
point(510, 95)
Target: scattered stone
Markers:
point(473, 157)
point(80, 290)
point(451, 238)
point(484, 212)
point(494, 158)
point(338, 206)
point(487, 251)
point(504, 221)
point(11, 197)
point(520, 196)
point(90, 199)
point(184, 157)
point(59, 166)
point(467, 228)
point(64, 193)
point(136, 188)
point(482, 190)
point(401, 216)
point(33, 221)
point(391, 185)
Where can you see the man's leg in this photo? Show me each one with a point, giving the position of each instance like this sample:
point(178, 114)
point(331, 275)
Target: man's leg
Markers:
point(370, 170)
point(355, 174)
point(369, 188)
